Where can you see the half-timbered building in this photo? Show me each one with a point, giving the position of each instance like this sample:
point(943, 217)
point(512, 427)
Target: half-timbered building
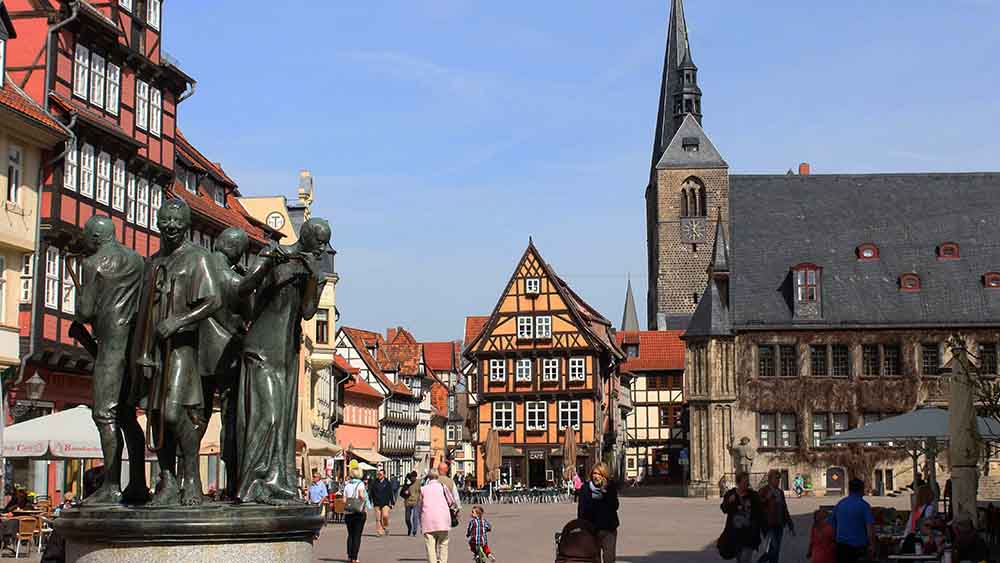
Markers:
point(544, 360)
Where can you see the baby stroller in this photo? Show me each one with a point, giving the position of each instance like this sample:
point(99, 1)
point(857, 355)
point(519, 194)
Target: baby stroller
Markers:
point(578, 543)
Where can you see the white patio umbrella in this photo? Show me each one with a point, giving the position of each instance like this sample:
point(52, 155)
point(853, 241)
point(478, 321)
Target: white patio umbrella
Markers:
point(68, 434)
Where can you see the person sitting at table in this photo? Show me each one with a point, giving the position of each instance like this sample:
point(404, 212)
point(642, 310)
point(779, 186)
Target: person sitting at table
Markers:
point(19, 501)
point(924, 508)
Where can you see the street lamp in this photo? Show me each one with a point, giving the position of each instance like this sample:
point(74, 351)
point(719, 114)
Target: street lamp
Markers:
point(34, 387)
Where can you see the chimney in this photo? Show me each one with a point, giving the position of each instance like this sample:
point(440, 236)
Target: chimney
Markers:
point(804, 169)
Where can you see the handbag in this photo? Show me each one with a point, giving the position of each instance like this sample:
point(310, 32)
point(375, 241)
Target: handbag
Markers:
point(356, 503)
point(452, 507)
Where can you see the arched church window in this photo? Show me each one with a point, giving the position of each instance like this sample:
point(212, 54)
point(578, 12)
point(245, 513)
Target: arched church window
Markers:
point(697, 197)
point(684, 203)
point(702, 202)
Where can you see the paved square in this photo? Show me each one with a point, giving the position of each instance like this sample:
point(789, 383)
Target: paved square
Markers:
point(653, 530)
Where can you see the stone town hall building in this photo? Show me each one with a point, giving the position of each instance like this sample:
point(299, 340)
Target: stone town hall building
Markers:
point(811, 303)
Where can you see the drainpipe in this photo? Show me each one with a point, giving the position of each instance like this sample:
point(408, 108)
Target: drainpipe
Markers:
point(187, 94)
point(48, 46)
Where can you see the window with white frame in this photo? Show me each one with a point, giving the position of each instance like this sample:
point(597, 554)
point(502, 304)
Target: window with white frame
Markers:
point(130, 197)
point(68, 288)
point(155, 111)
point(550, 369)
point(97, 80)
point(127, 4)
point(525, 328)
point(569, 414)
point(155, 201)
point(523, 371)
point(81, 72)
point(87, 170)
point(141, 104)
point(503, 415)
point(114, 88)
point(535, 417)
point(52, 277)
point(14, 166)
point(190, 181)
point(532, 286)
point(498, 370)
point(103, 177)
point(142, 204)
point(543, 327)
point(218, 194)
point(70, 165)
point(577, 369)
point(153, 13)
point(26, 277)
point(452, 433)
point(3, 57)
point(118, 191)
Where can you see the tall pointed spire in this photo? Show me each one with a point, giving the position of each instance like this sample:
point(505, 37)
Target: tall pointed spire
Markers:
point(630, 320)
point(675, 91)
point(720, 249)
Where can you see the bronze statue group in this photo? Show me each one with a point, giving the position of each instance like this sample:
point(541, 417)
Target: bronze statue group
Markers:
point(185, 328)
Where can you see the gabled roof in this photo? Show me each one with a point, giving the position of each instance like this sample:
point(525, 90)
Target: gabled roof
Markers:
point(690, 132)
point(400, 335)
point(357, 386)
point(361, 339)
point(442, 356)
point(658, 350)
point(342, 364)
point(19, 102)
point(592, 325)
point(405, 358)
point(678, 48)
point(781, 221)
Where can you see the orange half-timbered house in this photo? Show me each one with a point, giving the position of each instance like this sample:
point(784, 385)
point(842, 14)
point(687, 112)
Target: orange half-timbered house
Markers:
point(545, 361)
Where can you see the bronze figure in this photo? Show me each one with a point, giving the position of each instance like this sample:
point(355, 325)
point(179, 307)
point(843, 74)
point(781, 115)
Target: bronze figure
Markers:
point(181, 292)
point(107, 299)
point(288, 283)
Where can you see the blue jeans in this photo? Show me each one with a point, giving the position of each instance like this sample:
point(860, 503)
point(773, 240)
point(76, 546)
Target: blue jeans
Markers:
point(774, 536)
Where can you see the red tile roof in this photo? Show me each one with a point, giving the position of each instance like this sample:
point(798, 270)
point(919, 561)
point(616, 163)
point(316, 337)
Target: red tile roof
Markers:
point(658, 350)
point(361, 339)
point(400, 335)
point(94, 117)
point(357, 386)
point(344, 366)
point(442, 356)
point(202, 203)
point(19, 101)
point(405, 358)
point(473, 327)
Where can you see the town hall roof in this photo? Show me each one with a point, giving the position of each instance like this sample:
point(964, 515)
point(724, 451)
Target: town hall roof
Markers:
point(781, 221)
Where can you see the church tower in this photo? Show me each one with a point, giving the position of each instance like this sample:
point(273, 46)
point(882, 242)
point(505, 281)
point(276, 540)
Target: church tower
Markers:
point(688, 187)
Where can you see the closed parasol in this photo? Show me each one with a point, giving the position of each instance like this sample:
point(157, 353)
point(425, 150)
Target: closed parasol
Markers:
point(492, 450)
point(569, 453)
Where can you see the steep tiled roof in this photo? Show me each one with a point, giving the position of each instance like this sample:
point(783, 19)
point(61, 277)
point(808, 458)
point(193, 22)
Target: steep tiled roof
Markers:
point(405, 357)
point(357, 386)
point(361, 339)
point(17, 100)
point(442, 356)
point(95, 118)
point(474, 327)
point(400, 335)
point(658, 350)
point(344, 366)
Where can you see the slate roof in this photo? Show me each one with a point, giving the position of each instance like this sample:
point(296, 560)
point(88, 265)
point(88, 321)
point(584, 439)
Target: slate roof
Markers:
point(18, 101)
point(658, 350)
point(781, 221)
point(675, 156)
point(677, 49)
point(630, 320)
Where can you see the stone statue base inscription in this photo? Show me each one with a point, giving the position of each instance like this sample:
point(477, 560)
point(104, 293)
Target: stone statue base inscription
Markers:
point(214, 532)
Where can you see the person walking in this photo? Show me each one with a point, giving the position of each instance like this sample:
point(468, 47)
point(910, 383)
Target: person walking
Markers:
point(778, 518)
point(598, 505)
point(394, 485)
point(800, 485)
point(745, 519)
point(381, 496)
point(318, 492)
point(411, 498)
point(354, 490)
point(436, 502)
point(822, 540)
point(854, 522)
point(443, 470)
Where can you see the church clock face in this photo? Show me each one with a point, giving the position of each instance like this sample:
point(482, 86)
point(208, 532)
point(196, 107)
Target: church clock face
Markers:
point(693, 230)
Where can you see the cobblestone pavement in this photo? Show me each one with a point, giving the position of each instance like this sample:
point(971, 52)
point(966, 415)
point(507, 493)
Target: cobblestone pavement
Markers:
point(653, 530)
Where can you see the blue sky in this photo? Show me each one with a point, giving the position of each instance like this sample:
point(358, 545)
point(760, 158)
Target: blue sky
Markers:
point(442, 133)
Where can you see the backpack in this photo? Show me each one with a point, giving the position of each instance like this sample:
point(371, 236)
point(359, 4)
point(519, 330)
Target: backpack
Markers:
point(356, 503)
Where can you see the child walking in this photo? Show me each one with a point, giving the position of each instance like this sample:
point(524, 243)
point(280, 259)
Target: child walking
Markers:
point(478, 527)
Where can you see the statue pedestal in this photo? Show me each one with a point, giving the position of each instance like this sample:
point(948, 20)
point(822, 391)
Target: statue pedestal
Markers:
point(213, 532)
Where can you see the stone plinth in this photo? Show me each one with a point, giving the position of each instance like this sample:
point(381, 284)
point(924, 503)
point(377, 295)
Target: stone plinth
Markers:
point(213, 532)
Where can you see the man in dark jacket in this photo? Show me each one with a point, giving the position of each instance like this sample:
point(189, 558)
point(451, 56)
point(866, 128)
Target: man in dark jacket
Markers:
point(394, 484)
point(778, 518)
point(745, 520)
point(381, 496)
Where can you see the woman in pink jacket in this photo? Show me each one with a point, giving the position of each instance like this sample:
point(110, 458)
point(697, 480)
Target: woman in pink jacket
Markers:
point(435, 517)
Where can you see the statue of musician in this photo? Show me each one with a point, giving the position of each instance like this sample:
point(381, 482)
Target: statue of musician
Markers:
point(181, 291)
point(107, 299)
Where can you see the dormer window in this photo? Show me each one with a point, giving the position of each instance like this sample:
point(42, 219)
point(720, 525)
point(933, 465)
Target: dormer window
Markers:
point(690, 144)
point(947, 251)
point(532, 286)
point(909, 283)
point(991, 280)
point(806, 283)
point(867, 252)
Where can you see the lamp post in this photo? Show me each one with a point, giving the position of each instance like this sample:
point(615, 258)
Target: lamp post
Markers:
point(34, 388)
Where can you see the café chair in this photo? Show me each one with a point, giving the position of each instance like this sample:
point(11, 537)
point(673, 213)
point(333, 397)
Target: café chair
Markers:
point(25, 533)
